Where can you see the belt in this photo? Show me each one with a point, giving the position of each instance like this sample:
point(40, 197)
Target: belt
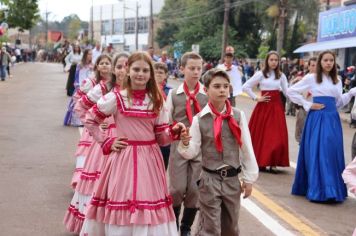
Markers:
point(231, 172)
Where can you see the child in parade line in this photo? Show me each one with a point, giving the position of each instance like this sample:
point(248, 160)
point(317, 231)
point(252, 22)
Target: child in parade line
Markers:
point(183, 102)
point(267, 124)
point(95, 159)
point(321, 154)
point(235, 75)
point(226, 151)
point(301, 113)
point(161, 74)
point(131, 196)
point(83, 71)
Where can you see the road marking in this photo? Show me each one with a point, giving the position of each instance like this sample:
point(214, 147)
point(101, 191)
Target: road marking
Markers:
point(288, 217)
point(273, 225)
point(349, 194)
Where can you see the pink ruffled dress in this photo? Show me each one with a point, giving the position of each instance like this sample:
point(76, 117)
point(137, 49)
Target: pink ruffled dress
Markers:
point(86, 140)
point(131, 197)
point(93, 164)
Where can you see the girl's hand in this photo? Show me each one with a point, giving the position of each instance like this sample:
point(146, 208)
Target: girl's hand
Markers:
point(317, 106)
point(119, 144)
point(264, 98)
point(246, 189)
point(104, 126)
point(185, 137)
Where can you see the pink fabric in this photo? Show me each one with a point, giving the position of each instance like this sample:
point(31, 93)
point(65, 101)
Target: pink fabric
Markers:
point(132, 112)
point(83, 148)
point(349, 176)
point(135, 175)
point(73, 220)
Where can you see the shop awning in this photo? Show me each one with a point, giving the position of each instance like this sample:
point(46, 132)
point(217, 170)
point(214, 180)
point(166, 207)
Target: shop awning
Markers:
point(321, 46)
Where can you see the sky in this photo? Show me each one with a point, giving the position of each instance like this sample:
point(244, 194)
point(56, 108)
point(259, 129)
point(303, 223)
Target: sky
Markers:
point(61, 8)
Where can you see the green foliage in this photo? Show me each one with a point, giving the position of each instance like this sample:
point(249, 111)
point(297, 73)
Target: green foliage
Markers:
point(21, 13)
point(74, 26)
point(251, 24)
point(262, 51)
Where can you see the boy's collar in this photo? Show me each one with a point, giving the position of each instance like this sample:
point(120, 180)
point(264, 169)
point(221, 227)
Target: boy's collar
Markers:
point(207, 110)
point(180, 89)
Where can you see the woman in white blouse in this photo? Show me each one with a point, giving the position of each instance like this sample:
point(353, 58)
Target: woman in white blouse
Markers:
point(321, 154)
point(268, 123)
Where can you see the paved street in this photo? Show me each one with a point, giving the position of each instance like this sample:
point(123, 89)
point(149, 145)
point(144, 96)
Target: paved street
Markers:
point(36, 165)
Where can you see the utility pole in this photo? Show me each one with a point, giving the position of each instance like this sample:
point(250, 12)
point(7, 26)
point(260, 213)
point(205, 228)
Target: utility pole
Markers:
point(225, 27)
point(151, 24)
point(46, 27)
point(92, 22)
point(327, 4)
point(136, 27)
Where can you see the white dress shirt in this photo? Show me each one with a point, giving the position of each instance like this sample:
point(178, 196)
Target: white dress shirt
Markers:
point(247, 155)
point(180, 89)
point(235, 78)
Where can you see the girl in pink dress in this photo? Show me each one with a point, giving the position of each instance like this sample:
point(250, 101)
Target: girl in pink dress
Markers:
point(131, 196)
point(90, 172)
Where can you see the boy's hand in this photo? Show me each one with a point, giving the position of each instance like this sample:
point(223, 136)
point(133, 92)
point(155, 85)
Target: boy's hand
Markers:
point(185, 137)
point(119, 144)
point(246, 189)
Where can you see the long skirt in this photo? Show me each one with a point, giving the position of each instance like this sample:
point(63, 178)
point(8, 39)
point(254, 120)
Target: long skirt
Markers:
point(268, 130)
point(321, 155)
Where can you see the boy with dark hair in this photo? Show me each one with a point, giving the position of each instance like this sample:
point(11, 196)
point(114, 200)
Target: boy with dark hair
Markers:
point(226, 150)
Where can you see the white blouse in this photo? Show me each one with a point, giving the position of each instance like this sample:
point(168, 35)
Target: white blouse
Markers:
point(325, 88)
point(267, 84)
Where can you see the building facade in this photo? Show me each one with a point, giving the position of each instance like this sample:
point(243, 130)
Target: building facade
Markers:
point(116, 23)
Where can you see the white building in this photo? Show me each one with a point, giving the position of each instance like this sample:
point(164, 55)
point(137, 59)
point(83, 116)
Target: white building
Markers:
point(108, 24)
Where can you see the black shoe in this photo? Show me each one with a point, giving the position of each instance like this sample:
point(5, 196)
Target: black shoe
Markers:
point(262, 169)
point(273, 170)
point(187, 221)
point(177, 213)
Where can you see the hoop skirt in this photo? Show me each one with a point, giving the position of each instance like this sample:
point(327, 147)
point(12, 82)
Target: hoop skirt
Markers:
point(321, 155)
point(269, 132)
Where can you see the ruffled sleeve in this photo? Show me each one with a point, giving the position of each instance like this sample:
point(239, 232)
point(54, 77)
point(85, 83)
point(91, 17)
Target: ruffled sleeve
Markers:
point(284, 84)
point(343, 99)
point(87, 101)
point(105, 107)
point(162, 128)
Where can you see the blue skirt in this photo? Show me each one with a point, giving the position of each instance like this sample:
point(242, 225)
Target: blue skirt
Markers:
point(71, 118)
point(321, 155)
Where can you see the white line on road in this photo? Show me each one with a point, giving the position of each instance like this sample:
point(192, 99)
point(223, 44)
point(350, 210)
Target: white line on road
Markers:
point(274, 226)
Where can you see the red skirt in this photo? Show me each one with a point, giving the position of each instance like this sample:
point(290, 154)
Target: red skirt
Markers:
point(269, 132)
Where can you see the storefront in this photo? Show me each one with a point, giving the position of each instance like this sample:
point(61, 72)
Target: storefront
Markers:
point(336, 31)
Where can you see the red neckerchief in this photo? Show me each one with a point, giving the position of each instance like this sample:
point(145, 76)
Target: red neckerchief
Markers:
point(234, 127)
point(138, 96)
point(191, 97)
point(228, 67)
point(162, 90)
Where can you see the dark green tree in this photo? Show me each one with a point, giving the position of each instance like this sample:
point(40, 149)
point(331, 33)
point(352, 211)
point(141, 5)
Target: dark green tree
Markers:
point(21, 13)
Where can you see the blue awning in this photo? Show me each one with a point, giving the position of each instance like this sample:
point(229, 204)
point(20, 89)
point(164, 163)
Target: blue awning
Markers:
point(327, 45)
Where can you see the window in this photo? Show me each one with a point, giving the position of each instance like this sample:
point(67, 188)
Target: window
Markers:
point(105, 27)
point(118, 26)
point(142, 25)
point(130, 26)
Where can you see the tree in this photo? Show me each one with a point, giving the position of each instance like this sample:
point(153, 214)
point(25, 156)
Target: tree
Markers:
point(73, 28)
point(21, 13)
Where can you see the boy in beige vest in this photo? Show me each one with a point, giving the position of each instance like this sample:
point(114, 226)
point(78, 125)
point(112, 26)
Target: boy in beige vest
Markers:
point(183, 103)
point(220, 133)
